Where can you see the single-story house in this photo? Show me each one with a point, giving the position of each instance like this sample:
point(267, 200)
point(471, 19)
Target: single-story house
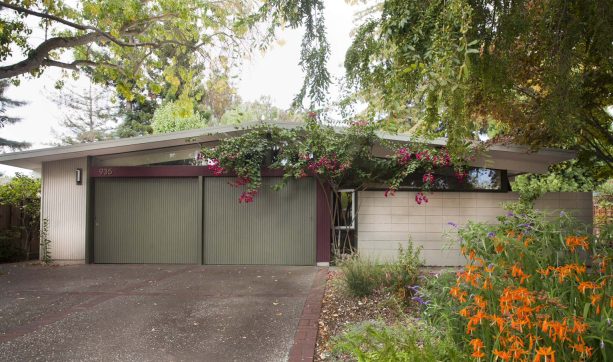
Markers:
point(147, 200)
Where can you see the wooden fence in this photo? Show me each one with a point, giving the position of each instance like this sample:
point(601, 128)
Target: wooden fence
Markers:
point(10, 219)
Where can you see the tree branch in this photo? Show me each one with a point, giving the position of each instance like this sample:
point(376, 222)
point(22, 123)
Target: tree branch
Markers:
point(83, 27)
point(75, 65)
point(39, 55)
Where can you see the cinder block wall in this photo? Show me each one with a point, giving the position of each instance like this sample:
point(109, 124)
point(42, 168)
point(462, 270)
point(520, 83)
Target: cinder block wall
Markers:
point(385, 223)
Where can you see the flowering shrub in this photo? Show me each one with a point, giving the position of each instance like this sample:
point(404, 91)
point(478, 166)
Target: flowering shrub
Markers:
point(338, 159)
point(533, 290)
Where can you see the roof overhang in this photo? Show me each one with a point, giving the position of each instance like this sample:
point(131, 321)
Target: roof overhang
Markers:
point(516, 159)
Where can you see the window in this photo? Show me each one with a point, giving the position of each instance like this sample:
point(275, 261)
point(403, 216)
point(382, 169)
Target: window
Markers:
point(344, 210)
point(475, 179)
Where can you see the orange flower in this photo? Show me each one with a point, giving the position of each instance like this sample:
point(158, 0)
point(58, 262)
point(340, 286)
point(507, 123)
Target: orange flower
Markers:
point(581, 348)
point(578, 326)
point(499, 321)
point(595, 298)
point(487, 284)
point(465, 312)
point(545, 352)
point(587, 285)
point(556, 330)
point(574, 241)
point(499, 248)
point(545, 272)
point(478, 354)
point(477, 345)
point(479, 302)
point(532, 340)
point(458, 294)
point(518, 273)
point(503, 355)
point(475, 319)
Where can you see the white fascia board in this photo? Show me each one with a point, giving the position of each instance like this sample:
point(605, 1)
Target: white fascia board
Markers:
point(33, 159)
point(512, 157)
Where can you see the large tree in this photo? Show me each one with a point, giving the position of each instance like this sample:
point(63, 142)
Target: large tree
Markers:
point(89, 113)
point(142, 48)
point(538, 73)
point(5, 104)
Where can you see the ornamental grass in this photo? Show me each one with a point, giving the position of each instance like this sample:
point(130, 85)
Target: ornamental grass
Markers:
point(534, 289)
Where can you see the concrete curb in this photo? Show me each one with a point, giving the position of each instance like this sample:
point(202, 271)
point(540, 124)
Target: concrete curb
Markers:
point(305, 338)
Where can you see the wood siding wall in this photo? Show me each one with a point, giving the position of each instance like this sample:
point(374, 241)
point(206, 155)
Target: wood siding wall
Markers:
point(64, 205)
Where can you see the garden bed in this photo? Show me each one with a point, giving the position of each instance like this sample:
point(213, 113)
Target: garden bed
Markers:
point(339, 310)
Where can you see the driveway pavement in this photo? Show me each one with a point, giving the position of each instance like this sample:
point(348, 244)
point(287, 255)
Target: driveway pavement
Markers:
point(150, 312)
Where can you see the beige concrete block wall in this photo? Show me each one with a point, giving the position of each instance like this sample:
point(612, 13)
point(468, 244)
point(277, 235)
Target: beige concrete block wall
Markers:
point(385, 223)
point(64, 206)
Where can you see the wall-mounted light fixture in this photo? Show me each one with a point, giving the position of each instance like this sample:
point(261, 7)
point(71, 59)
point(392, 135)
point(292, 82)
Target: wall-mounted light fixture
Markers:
point(79, 176)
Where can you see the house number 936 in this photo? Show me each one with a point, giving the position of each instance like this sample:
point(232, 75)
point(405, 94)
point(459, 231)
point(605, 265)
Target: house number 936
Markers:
point(105, 171)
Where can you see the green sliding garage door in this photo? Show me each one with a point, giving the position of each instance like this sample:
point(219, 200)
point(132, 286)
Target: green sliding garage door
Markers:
point(278, 227)
point(147, 220)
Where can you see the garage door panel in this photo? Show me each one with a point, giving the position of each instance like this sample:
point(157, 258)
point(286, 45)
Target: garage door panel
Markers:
point(277, 228)
point(148, 220)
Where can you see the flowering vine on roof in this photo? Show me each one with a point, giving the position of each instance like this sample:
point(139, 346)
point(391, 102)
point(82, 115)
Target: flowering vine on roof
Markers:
point(336, 158)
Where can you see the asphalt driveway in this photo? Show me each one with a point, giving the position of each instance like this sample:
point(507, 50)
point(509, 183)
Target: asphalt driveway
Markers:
point(150, 312)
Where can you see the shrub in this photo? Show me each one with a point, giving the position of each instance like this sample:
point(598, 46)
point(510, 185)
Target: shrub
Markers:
point(9, 250)
point(403, 274)
point(413, 341)
point(529, 293)
point(361, 276)
point(23, 192)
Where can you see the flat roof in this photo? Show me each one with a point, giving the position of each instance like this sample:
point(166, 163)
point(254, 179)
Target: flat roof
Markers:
point(516, 159)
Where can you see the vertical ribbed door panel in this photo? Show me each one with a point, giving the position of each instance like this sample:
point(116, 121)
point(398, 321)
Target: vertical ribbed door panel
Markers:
point(146, 220)
point(278, 227)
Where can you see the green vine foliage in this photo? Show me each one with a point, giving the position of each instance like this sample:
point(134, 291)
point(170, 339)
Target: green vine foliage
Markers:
point(354, 157)
point(565, 177)
point(45, 243)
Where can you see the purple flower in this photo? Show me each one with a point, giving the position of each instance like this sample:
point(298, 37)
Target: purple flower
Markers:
point(491, 234)
point(414, 288)
point(453, 224)
point(562, 213)
point(510, 213)
point(419, 300)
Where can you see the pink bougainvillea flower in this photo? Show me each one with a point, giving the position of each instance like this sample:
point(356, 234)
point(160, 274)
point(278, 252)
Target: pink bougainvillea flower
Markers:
point(460, 176)
point(214, 167)
point(240, 181)
point(421, 198)
point(389, 192)
point(403, 155)
point(247, 196)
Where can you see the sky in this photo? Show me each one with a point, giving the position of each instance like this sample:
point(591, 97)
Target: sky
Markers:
point(275, 73)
